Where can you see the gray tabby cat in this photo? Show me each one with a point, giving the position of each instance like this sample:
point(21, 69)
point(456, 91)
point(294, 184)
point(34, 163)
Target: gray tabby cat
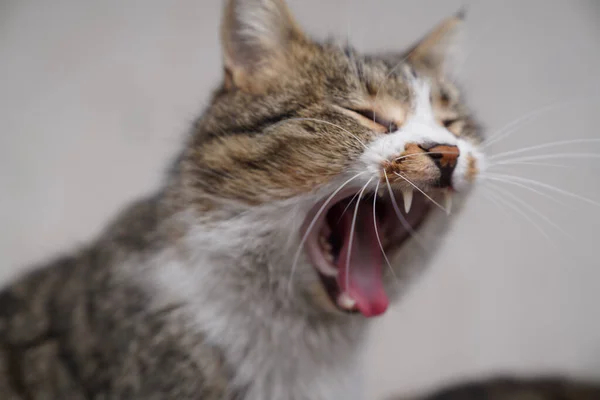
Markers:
point(253, 273)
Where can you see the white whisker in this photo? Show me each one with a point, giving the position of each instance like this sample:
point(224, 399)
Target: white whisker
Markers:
point(539, 164)
point(492, 197)
point(546, 186)
point(377, 234)
point(513, 126)
point(401, 217)
point(422, 154)
point(424, 194)
point(312, 224)
point(523, 186)
point(522, 213)
point(351, 55)
point(548, 156)
point(543, 146)
point(351, 239)
point(532, 210)
point(347, 206)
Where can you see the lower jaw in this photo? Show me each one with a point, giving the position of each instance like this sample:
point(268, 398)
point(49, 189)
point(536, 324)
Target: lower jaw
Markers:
point(332, 291)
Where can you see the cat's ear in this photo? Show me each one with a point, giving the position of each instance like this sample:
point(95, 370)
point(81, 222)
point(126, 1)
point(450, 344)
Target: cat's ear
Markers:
point(256, 36)
point(439, 49)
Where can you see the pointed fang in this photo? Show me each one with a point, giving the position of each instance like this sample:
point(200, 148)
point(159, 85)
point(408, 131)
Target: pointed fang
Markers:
point(448, 201)
point(407, 194)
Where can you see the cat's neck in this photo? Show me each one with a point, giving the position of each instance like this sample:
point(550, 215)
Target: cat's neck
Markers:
point(229, 276)
point(250, 255)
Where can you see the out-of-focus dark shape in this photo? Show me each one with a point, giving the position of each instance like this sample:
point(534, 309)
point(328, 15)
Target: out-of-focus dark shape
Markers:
point(510, 388)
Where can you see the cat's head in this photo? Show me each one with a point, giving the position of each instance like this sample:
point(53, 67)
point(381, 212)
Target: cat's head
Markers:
point(363, 147)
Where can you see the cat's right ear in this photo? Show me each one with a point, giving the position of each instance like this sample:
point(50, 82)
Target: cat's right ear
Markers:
point(439, 50)
point(256, 37)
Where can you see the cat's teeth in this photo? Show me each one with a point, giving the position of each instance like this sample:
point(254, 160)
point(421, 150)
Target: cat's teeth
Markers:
point(325, 244)
point(407, 194)
point(448, 201)
point(381, 192)
point(327, 251)
point(323, 241)
point(346, 302)
point(328, 269)
point(329, 257)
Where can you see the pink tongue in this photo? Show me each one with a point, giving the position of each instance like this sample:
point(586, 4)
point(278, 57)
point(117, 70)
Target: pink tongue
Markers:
point(361, 278)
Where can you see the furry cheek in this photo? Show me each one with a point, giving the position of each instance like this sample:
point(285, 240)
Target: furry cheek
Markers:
point(470, 165)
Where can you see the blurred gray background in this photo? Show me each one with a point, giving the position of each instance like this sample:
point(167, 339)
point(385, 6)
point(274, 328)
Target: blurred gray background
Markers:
point(95, 97)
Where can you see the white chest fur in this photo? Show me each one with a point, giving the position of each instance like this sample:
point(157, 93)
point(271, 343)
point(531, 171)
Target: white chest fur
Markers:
point(277, 352)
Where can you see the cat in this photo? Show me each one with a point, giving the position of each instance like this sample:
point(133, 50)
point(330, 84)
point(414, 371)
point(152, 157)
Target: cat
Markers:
point(308, 195)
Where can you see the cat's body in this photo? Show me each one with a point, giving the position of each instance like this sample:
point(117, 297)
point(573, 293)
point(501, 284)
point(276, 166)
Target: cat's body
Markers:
point(77, 329)
point(242, 277)
point(82, 328)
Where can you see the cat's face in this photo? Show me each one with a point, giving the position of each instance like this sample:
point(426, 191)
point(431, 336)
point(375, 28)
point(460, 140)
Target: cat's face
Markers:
point(367, 144)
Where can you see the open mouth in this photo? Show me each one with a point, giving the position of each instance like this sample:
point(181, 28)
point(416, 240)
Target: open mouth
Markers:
point(348, 240)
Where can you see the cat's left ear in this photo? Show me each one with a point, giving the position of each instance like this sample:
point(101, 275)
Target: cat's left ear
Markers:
point(256, 36)
point(439, 49)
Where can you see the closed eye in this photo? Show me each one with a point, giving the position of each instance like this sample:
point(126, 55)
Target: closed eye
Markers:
point(449, 122)
point(387, 125)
